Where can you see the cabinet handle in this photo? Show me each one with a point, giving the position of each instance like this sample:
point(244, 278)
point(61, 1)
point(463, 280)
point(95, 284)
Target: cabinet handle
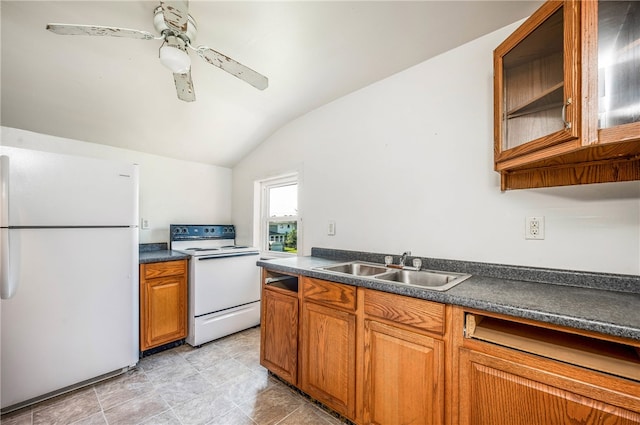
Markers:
point(567, 125)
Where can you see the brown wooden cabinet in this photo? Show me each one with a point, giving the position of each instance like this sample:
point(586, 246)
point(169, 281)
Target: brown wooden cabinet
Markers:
point(496, 391)
point(404, 360)
point(519, 372)
point(381, 358)
point(279, 326)
point(566, 96)
point(163, 303)
point(328, 344)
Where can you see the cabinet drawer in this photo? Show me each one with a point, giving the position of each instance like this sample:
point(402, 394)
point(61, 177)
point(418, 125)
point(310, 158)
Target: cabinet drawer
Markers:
point(421, 314)
point(329, 293)
point(167, 268)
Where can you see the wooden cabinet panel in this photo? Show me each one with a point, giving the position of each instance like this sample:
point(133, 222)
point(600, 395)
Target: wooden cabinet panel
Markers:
point(167, 268)
point(404, 376)
point(163, 303)
point(420, 314)
point(329, 293)
point(495, 391)
point(279, 336)
point(328, 356)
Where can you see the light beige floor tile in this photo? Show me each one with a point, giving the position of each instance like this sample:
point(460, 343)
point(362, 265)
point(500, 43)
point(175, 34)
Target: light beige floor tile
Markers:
point(174, 370)
point(184, 389)
point(205, 356)
point(250, 359)
point(224, 371)
point(19, 417)
point(67, 409)
point(95, 419)
point(272, 405)
point(204, 409)
point(238, 344)
point(308, 414)
point(233, 417)
point(136, 410)
point(165, 418)
point(123, 388)
point(247, 387)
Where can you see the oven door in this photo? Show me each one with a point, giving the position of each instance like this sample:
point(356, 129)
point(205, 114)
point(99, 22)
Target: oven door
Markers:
point(219, 282)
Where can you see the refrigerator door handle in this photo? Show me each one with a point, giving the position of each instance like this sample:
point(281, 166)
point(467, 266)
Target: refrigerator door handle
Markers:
point(7, 288)
point(4, 191)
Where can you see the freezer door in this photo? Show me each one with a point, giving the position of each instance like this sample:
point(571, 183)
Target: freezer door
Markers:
point(74, 315)
point(47, 189)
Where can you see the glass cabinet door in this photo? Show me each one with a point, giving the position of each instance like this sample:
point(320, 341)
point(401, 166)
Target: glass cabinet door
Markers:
point(536, 70)
point(618, 63)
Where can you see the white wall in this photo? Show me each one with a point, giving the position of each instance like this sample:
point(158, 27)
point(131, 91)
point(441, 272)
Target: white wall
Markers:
point(407, 164)
point(171, 191)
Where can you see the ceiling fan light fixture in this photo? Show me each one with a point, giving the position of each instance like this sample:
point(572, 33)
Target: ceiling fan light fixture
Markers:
point(177, 60)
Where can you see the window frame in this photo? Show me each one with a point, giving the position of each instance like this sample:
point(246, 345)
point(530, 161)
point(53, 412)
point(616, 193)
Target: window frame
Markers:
point(261, 223)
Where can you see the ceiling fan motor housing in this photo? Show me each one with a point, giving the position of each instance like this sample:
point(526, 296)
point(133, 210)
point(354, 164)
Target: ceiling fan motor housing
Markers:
point(189, 36)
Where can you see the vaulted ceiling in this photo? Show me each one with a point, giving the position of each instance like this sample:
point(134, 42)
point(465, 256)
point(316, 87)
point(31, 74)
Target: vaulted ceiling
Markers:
point(114, 91)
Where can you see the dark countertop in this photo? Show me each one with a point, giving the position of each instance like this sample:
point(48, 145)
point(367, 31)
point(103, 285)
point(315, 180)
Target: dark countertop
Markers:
point(160, 256)
point(157, 253)
point(581, 300)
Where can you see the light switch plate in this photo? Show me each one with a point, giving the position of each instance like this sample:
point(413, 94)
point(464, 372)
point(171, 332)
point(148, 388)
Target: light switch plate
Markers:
point(331, 229)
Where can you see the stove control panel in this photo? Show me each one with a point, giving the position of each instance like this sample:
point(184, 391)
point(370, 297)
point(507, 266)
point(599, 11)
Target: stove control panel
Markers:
point(183, 232)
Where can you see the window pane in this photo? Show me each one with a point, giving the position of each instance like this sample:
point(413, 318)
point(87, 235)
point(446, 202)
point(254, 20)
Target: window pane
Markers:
point(283, 236)
point(283, 201)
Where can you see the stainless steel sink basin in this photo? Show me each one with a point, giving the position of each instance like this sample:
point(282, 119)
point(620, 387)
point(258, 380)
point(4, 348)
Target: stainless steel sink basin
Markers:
point(356, 269)
point(427, 279)
point(438, 281)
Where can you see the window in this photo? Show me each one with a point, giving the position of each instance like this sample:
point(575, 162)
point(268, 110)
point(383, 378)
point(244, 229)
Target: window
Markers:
point(279, 214)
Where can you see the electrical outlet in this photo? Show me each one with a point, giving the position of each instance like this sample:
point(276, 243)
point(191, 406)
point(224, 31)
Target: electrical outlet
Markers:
point(534, 228)
point(331, 229)
point(144, 223)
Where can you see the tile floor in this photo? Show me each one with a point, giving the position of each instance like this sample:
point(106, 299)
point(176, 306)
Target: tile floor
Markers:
point(221, 382)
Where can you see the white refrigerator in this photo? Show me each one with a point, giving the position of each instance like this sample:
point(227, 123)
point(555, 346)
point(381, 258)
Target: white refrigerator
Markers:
point(68, 272)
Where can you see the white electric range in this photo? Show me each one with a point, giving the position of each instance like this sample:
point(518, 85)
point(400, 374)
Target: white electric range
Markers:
point(224, 281)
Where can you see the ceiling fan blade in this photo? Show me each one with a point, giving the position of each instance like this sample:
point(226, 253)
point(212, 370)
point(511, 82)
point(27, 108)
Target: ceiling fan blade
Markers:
point(176, 14)
point(184, 86)
point(70, 29)
point(247, 74)
point(184, 83)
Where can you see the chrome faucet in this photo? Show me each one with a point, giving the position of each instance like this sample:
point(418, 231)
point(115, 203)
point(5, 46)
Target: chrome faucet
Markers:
point(403, 258)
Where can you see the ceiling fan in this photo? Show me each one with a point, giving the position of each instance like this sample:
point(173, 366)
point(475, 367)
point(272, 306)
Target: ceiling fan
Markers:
point(177, 30)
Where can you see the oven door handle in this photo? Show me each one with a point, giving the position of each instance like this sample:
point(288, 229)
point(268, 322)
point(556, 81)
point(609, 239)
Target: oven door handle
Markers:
point(235, 254)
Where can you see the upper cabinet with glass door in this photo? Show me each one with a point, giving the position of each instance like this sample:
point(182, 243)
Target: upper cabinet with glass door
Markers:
point(618, 69)
point(567, 96)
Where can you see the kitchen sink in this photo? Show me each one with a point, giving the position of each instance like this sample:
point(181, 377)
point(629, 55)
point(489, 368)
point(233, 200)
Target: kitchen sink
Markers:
point(428, 279)
point(356, 268)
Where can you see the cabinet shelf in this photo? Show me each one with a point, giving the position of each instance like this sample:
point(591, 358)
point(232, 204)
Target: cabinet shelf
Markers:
point(287, 283)
point(548, 99)
point(600, 355)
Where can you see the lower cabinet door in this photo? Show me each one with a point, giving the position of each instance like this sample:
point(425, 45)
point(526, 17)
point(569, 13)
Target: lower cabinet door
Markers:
point(279, 337)
point(328, 357)
point(496, 391)
point(403, 378)
point(163, 313)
